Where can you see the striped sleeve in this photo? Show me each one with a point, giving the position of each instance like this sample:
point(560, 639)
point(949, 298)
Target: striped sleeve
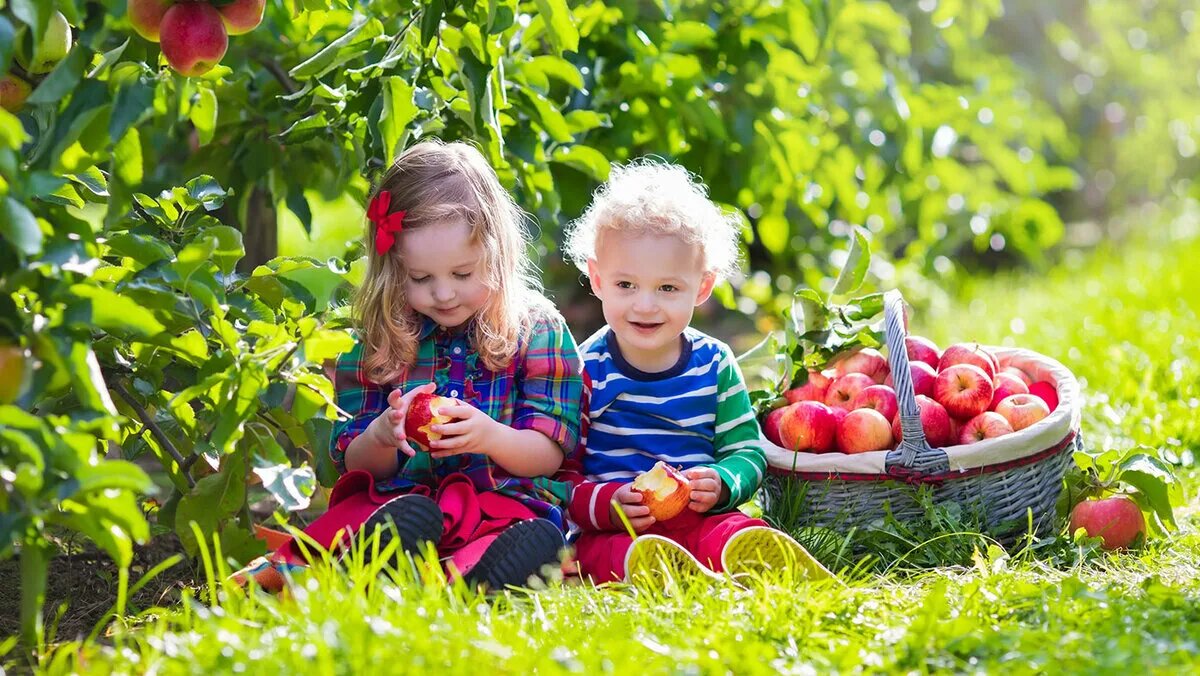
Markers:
point(550, 385)
point(737, 445)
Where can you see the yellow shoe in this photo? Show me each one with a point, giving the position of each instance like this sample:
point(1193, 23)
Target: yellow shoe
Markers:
point(656, 558)
point(759, 549)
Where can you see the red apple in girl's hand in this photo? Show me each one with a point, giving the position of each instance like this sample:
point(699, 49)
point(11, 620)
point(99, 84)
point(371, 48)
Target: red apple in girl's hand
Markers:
point(844, 388)
point(664, 489)
point(922, 349)
point(986, 425)
point(1006, 385)
point(424, 411)
point(968, 353)
point(1117, 520)
point(964, 389)
point(1047, 392)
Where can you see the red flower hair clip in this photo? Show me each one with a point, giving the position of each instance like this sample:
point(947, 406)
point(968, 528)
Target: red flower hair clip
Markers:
point(387, 226)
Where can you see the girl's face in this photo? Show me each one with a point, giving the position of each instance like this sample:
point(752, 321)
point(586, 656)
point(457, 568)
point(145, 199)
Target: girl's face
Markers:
point(444, 280)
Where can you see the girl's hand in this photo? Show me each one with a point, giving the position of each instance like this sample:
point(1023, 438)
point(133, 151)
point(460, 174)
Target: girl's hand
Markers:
point(707, 488)
point(388, 428)
point(630, 503)
point(471, 432)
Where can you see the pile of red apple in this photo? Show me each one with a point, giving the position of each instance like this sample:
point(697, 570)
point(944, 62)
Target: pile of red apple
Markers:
point(963, 394)
point(194, 33)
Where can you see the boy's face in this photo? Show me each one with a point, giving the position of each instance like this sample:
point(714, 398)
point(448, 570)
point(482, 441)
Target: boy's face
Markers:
point(649, 286)
point(444, 282)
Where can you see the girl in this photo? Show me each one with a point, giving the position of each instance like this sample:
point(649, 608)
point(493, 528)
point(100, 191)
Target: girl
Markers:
point(450, 305)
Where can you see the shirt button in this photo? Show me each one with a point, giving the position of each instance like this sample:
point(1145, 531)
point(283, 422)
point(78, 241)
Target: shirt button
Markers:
point(454, 393)
point(458, 350)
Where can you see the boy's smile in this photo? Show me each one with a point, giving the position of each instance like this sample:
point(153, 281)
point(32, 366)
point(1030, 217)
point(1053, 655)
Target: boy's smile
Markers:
point(649, 286)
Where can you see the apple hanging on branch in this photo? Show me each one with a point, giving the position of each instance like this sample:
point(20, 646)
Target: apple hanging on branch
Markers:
point(194, 34)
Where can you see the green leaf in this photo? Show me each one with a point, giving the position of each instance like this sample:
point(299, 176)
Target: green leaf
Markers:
point(207, 191)
point(398, 111)
point(84, 371)
point(335, 53)
point(127, 158)
point(854, 272)
point(549, 117)
point(1155, 482)
point(141, 248)
point(306, 129)
point(292, 487)
point(19, 227)
point(204, 114)
point(586, 159)
point(134, 102)
point(431, 20)
point(211, 501)
point(63, 78)
point(560, 25)
point(118, 314)
point(809, 312)
point(325, 344)
point(7, 43)
point(556, 67)
point(229, 249)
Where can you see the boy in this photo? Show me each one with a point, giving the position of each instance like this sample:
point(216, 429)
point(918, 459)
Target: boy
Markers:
point(653, 246)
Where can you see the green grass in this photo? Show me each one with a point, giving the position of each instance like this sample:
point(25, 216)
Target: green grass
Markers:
point(1125, 320)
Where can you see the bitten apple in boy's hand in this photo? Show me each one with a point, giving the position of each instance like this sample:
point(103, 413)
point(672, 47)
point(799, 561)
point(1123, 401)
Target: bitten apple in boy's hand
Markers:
point(664, 490)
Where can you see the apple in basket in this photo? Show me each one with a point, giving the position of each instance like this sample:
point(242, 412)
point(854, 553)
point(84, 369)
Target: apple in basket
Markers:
point(1047, 392)
point(808, 426)
point(986, 425)
point(1017, 372)
point(1006, 385)
point(424, 411)
point(879, 397)
point(1117, 520)
point(968, 353)
point(867, 361)
point(863, 430)
point(664, 489)
point(813, 390)
point(772, 425)
point(1022, 410)
point(936, 423)
point(964, 389)
point(922, 349)
point(844, 388)
point(923, 377)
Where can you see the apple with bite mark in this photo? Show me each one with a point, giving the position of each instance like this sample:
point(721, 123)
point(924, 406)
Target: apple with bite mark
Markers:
point(813, 390)
point(968, 353)
point(1005, 386)
point(922, 349)
point(844, 388)
point(864, 430)
point(664, 489)
point(1117, 520)
point(879, 397)
point(1047, 392)
point(1022, 410)
point(923, 377)
point(964, 389)
point(424, 411)
point(986, 425)
point(935, 422)
point(808, 426)
point(867, 361)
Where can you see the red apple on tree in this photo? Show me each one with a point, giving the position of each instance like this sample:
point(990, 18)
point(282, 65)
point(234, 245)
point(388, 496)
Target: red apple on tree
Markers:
point(193, 38)
point(813, 390)
point(867, 361)
point(1005, 386)
point(12, 372)
point(968, 353)
point(864, 430)
point(424, 411)
point(964, 389)
point(13, 92)
point(146, 16)
point(1022, 410)
point(242, 16)
point(1118, 521)
point(807, 426)
point(844, 388)
point(935, 422)
point(922, 349)
point(986, 425)
point(879, 397)
point(923, 378)
point(771, 426)
point(1047, 392)
point(664, 489)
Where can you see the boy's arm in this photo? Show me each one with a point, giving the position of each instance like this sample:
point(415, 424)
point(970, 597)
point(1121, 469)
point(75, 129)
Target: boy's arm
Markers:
point(738, 444)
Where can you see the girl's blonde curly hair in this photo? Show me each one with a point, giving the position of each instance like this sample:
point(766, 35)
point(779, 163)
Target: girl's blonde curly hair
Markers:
point(650, 196)
point(434, 181)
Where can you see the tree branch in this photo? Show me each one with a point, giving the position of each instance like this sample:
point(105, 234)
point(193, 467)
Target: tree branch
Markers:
point(155, 430)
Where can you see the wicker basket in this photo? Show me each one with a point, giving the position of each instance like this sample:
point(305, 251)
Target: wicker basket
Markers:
point(1004, 479)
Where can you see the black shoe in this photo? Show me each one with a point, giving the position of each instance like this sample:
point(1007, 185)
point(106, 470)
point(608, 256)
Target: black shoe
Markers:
point(518, 554)
point(414, 519)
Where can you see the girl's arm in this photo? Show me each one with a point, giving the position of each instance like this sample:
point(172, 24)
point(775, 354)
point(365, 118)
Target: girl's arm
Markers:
point(375, 449)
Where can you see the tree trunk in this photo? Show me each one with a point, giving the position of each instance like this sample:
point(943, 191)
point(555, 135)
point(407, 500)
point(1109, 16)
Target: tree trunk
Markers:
point(260, 231)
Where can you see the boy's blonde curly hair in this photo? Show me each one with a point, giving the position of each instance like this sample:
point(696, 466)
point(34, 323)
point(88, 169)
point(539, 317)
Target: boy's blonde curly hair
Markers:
point(650, 196)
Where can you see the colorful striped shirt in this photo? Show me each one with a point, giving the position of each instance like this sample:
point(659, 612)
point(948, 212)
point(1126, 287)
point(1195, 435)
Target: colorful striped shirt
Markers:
point(541, 389)
point(697, 413)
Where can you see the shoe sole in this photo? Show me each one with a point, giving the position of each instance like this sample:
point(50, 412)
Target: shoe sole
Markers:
point(517, 554)
point(747, 553)
point(653, 556)
point(415, 519)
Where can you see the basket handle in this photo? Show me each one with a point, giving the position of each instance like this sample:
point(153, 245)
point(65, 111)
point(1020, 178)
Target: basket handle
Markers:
point(913, 456)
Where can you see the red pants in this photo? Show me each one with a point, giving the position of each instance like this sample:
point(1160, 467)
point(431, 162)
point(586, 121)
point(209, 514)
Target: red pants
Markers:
point(601, 554)
point(471, 520)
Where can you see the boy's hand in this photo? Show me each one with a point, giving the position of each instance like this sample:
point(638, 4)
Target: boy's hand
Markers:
point(388, 429)
point(630, 503)
point(707, 488)
point(471, 432)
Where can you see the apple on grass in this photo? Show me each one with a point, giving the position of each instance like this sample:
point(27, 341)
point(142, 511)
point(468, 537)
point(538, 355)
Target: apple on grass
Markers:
point(968, 353)
point(1047, 392)
point(844, 388)
point(864, 430)
point(424, 411)
point(986, 425)
point(146, 16)
point(1005, 386)
point(935, 422)
point(813, 390)
point(1022, 410)
point(922, 349)
point(923, 377)
point(964, 389)
point(664, 489)
point(879, 397)
point(1118, 521)
point(193, 38)
point(808, 426)
point(867, 361)
point(242, 16)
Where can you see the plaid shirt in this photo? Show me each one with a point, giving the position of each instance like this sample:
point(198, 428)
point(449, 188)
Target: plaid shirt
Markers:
point(542, 390)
